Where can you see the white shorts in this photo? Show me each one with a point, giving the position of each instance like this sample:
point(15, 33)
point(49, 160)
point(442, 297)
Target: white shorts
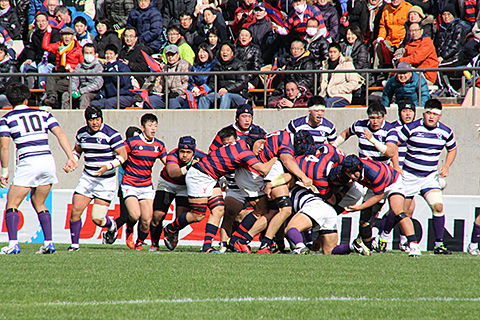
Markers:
point(251, 184)
point(141, 193)
point(177, 189)
point(97, 187)
point(323, 214)
point(35, 171)
point(236, 194)
point(395, 188)
point(354, 194)
point(199, 184)
point(277, 169)
point(414, 184)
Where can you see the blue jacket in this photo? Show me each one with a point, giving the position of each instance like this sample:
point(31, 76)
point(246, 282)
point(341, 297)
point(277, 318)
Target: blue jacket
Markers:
point(408, 90)
point(201, 79)
point(90, 24)
point(109, 89)
point(149, 24)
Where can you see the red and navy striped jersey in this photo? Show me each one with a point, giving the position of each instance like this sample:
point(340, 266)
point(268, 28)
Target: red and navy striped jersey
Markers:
point(217, 142)
point(299, 24)
point(317, 167)
point(140, 161)
point(276, 143)
point(226, 159)
point(377, 175)
point(470, 10)
point(172, 158)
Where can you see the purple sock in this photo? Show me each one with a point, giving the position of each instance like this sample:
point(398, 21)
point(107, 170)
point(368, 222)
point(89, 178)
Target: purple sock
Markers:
point(389, 222)
point(475, 233)
point(438, 227)
point(45, 219)
point(75, 228)
point(108, 222)
point(12, 218)
point(342, 249)
point(295, 236)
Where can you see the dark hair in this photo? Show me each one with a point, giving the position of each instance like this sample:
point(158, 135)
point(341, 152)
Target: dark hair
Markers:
point(246, 29)
point(313, 19)
point(228, 43)
point(131, 131)
point(356, 31)
point(80, 19)
point(213, 11)
point(376, 107)
point(3, 48)
point(111, 47)
point(215, 31)
point(316, 100)
point(17, 93)
point(88, 45)
point(104, 21)
point(127, 29)
point(184, 14)
point(433, 103)
point(204, 47)
point(148, 117)
point(42, 14)
point(227, 132)
point(335, 45)
point(173, 27)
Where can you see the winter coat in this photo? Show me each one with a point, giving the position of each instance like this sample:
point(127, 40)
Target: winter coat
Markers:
point(88, 84)
point(190, 34)
point(173, 8)
point(109, 89)
point(318, 47)
point(331, 19)
point(136, 60)
point(176, 84)
point(405, 91)
point(426, 24)
point(87, 7)
point(33, 49)
point(74, 57)
point(248, 17)
point(340, 84)
point(90, 24)
point(186, 52)
point(7, 65)
point(22, 7)
point(11, 22)
point(359, 54)
point(149, 26)
point(421, 54)
point(100, 42)
point(199, 80)
point(117, 11)
point(392, 23)
point(251, 57)
point(307, 80)
point(300, 101)
point(259, 29)
point(233, 83)
point(449, 42)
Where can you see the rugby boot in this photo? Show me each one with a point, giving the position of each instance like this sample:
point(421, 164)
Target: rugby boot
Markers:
point(138, 245)
point(71, 249)
point(242, 248)
point(129, 241)
point(381, 246)
point(211, 250)
point(154, 246)
point(361, 248)
point(170, 239)
point(441, 250)
point(264, 249)
point(300, 250)
point(47, 249)
point(11, 250)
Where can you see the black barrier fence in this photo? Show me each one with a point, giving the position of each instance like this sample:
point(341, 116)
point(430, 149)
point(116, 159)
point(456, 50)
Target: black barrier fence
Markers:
point(317, 75)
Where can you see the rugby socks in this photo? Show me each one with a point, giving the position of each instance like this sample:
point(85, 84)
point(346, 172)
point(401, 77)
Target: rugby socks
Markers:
point(12, 218)
point(342, 249)
point(412, 239)
point(388, 226)
point(210, 232)
point(475, 233)
point(156, 232)
point(236, 224)
point(179, 223)
point(243, 228)
point(108, 223)
point(75, 228)
point(438, 228)
point(296, 237)
point(45, 219)
point(141, 235)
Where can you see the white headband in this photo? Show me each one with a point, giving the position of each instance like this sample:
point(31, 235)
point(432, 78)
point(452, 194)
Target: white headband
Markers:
point(434, 111)
point(317, 107)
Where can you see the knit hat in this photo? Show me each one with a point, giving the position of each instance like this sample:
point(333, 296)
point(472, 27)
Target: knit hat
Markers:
point(450, 8)
point(418, 10)
point(244, 108)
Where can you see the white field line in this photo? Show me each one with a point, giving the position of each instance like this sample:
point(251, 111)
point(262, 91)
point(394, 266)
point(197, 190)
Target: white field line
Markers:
point(258, 299)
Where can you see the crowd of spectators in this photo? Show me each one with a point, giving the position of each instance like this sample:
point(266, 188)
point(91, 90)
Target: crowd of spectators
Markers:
point(55, 36)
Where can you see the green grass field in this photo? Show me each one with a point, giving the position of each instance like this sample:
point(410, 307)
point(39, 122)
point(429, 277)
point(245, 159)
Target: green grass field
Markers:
point(114, 282)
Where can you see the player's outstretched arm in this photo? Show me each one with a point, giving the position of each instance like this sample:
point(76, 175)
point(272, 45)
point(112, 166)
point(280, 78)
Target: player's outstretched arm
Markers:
point(4, 156)
point(264, 168)
point(72, 163)
point(443, 170)
point(342, 138)
point(367, 204)
point(119, 159)
point(292, 166)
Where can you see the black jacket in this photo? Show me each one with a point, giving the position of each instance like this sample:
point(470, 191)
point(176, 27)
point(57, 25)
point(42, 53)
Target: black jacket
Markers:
point(8, 66)
point(100, 42)
point(136, 60)
point(251, 57)
point(319, 50)
point(203, 30)
point(11, 22)
point(358, 15)
point(233, 83)
point(259, 30)
point(34, 51)
point(359, 54)
point(449, 41)
point(190, 34)
point(306, 80)
point(173, 8)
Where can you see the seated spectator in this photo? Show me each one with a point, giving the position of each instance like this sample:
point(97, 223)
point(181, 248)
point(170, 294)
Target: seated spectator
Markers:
point(232, 88)
point(204, 62)
point(210, 20)
point(337, 88)
point(131, 55)
point(188, 28)
point(8, 41)
point(67, 15)
point(354, 47)
point(85, 88)
point(375, 11)
point(173, 8)
point(204, 4)
point(7, 65)
point(261, 26)
point(177, 97)
point(317, 45)
point(82, 35)
point(294, 97)
point(85, 6)
point(391, 32)
point(472, 47)
point(244, 16)
point(105, 36)
point(420, 52)
point(107, 98)
point(148, 22)
point(213, 40)
point(175, 37)
point(37, 59)
point(405, 86)
point(117, 11)
point(330, 17)
point(426, 22)
point(250, 54)
point(69, 55)
point(9, 20)
point(357, 15)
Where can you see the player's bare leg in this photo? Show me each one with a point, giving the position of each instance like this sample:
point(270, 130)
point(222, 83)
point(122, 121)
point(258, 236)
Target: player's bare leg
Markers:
point(232, 209)
point(397, 205)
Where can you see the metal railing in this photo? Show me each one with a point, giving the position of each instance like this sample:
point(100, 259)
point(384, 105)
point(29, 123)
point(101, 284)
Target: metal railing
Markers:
point(266, 74)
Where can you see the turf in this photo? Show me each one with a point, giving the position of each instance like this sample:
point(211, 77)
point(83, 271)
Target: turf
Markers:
point(114, 282)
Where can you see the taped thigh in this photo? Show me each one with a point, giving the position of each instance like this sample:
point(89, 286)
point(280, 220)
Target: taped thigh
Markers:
point(99, 212)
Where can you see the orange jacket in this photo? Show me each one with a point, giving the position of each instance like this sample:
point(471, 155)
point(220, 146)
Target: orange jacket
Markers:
point(392, 23)
point(421, 54)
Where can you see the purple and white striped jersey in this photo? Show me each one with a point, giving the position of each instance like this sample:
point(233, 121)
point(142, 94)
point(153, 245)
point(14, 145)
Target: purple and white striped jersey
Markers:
point(365, 148)
point(424, 146)
point(325, 132)
point(29, 130)
point(98, 148)
point(402, 149)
